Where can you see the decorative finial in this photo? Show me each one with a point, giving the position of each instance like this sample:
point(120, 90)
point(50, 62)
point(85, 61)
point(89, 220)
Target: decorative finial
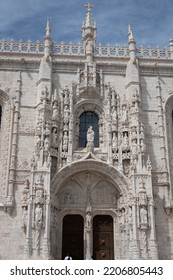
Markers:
point(48, 27)
point(89, 6)
point(130, 32)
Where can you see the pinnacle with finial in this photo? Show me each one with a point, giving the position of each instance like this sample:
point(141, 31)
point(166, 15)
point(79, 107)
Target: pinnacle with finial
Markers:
point(89, 6)
point(48, 27)
point(130, 32)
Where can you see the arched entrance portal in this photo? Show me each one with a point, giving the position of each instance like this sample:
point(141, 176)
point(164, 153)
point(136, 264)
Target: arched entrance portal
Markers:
point(72, 239)
point(86, 187)
point(103, 245)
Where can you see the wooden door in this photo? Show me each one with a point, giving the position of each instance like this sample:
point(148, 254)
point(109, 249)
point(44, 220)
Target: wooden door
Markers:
point(103, 248)
point(72, 239)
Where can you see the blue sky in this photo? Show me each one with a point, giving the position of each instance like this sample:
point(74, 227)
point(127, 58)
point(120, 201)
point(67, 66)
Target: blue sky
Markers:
point(151, 20)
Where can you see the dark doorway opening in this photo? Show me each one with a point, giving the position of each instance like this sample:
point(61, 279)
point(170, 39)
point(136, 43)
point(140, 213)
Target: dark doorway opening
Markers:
point(103, 245)
point(72, 239)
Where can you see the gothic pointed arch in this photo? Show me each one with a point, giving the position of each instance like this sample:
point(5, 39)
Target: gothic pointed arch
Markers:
point(110, 173)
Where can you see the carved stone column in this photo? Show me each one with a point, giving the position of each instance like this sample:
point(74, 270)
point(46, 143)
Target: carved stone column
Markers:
point(14, 146)
point(135, 246)
point(153, 250)
point(88, 236)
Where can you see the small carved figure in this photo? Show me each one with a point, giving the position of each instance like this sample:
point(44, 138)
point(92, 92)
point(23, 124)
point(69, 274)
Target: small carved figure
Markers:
point(65, 142)
point(90, 134)
point(143, 146)
point(54, 138)
point(114, 116)
point(90, 138)
point(124, 114)
point(24, 217)
point(88, 219)
point(89, 46)
point(122, 218)
point(46, 144)
point(125, 144)
point(55, 111)
point(143, 215)
point(38, 216)
point(66, 114)
point(39, 195)
point(38, 144)
point(114, 143)
point(47, 128)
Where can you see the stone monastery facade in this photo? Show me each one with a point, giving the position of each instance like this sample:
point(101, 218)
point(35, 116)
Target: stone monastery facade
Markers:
point(86, 149)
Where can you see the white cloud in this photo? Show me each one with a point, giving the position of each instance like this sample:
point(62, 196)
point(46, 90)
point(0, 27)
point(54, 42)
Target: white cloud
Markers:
point(151, 20)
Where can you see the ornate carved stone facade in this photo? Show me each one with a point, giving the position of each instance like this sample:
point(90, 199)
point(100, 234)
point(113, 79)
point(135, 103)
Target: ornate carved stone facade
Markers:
point(86, 144)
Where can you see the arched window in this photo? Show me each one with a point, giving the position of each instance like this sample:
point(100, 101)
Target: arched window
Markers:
point(88, 119)
point(0, 115)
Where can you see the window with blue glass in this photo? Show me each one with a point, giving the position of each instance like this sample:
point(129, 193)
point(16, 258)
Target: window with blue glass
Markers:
point(88, 119)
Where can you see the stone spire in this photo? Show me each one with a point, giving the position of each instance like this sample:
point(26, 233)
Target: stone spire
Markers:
point(47, 40)
point(132, 44)
point(88, 21)
point(89, 34)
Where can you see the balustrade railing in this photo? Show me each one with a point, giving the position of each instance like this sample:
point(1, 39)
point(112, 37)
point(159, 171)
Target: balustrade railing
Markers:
point(78, 49)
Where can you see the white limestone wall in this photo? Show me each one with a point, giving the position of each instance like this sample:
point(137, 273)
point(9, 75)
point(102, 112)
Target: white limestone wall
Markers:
point(11, 232)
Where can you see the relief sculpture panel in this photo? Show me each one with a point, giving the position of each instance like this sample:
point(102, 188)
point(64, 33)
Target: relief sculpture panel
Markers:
point(104, 193)
point(71, 194)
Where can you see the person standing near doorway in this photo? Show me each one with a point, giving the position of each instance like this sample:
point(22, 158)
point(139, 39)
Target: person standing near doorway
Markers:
point(68, 257)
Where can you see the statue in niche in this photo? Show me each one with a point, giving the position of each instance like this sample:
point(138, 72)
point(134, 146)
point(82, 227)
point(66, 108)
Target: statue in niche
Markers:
point(134, 147)
point(39, 194)
point(45, 96)
point(38, 216)
point(125, 143)
point(47, 128)
point(114, 143)
point(90, 138)
point(90, 134)
point(66, 114)
point(114, 116)
point(82, 77)
point(143, 146)
point(46, 144)
point(38, 144)
point(55, 114)
point(122, 218)
point(88, 220)
point(65, 142)
point(66, 96)
point(24, 218)
point(124, 114)
point(89, 46)
point(143, 215)
point(54, 137)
